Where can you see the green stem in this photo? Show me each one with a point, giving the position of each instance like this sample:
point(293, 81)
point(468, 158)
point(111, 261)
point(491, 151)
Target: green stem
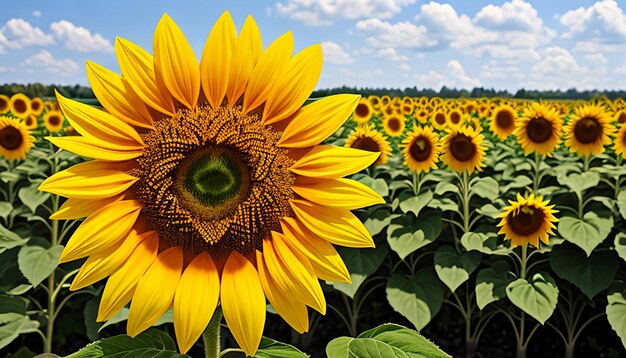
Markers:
point(466, 204)
point(586, 162)
point(416, 183)
point(211, 335)
point(537, 174)
point(521, 347)
point(54, 240)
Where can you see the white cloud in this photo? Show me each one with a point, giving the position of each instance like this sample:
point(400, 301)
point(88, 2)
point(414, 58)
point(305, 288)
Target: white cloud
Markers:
point(391, 54)
point(79, 38)
point(43, 60)
point(621, 70)
point(596, 59)
point(453, 77)
point(19, 33)
point(495, 70)
point(36, 13)
point(4, 69)
point(325, 12)
point(398, 35)
point(516, 15)
point(405, 67)
point(333, 53)
point(604, 21)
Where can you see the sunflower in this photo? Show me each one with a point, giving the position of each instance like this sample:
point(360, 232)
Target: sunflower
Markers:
point(454, 118)
point(363, 112)
point(394, 124)
point(385, 100)
point(15, 138)
point(19, 105)
point(589, 130)
point(503, 121)
point(421, 149)
point(4, 104)
point(53, 121)
point(620, 116)
point(463, 149)
point(36, 106)
point(374, 101)
point(421, 114)
point(194, 196)
point(369, 139)
point(539, 129)
point(438, 118)
point(527, 220)
point(30, 122)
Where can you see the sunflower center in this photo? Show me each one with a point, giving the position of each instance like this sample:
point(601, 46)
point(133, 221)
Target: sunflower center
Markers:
point(440, 118)
point(366, 143)
point(35, 105)
point(214, 180)
point(539, 130)
point(420, 149)
point(525, 221)
point(30, 121)
point(504, 119)
point(362, 110)
point(455, 118)
point(587, 130)
point(54, 120)
point(621, 119)
point(19, 105)
point(394, 124)
point(461, 147)
point(10, 137)
point(3, 103)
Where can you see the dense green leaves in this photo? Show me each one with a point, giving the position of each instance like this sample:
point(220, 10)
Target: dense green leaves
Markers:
point(491, 283)
point(14, 324)
point(32, 197)
point(588, 232)
point(454, 268)
point(485, 243)
point(361, 263)
point(414, 203)
point(579, 182)
point(407, 234)
point(9, 239)
point(537, 297)
point(417, 298)
point(620, 245)
point(485, 187)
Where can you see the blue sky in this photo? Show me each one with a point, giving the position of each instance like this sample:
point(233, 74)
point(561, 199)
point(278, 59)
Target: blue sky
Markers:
point(374, 43)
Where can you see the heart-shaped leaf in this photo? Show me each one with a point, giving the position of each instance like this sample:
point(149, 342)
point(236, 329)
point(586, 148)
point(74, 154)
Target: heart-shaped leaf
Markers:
point(411, 203)
point(407, 234)
point(586, 233)
point(418, 298)
point(454, 268)
point(487, 243)
point(616, 309)
point(360, 263)
point(537, 297)
point(150, 343)
point(491, 283)
point(37, 263)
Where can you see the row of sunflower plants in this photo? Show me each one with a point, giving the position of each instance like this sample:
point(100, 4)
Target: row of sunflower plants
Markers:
point(500, 212)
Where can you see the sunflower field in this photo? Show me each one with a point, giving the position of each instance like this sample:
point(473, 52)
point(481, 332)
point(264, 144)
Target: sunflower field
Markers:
point(205, 216)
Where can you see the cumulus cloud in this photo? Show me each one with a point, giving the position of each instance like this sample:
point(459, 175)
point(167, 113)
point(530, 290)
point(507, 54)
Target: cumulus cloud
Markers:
point(405, 67)
point(399, 35)
point(326, 12)
point(496, 71)
point(334, 54)
point(36, 13)
point(43, 60)
point(453, 76)
point(79, 38)
point(19, 33)
point(391, 54)
point(596, 59)
point(600, 27)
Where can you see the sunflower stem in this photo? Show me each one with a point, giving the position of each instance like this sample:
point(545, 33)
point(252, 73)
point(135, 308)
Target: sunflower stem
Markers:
point(52, 290)
point(586, 162)
point(466, 199)
point(537, 173)
point(211, 335)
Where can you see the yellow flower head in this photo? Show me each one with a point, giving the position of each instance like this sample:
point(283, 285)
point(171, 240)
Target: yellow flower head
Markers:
point(363, 112)
point(369, 139)
point(503, 121)
point(394, 124)
point(539, 129)
point(19, 105)
point(53, 121)
point(36, 106)
point(4, 104)
point(15, 138)
point(463, 149)
point(589, 130)
point(421, 149)
point(527, 220)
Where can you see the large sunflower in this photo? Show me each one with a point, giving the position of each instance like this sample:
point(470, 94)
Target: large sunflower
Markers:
point(363, 112)
point(19, 105)
point(4, 104)
point(421, 149)
point(503, 121)
point(369, 139)
point(527, 220)
point(15, 138)
point(53, 121)
point(208, 184)
point(394, 124)
point(589, 130)
point(539, 129)
point(463, 149)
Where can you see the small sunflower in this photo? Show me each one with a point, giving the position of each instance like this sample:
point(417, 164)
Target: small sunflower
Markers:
point(620, 116)
point(4, 104)
point(385, 101)
point(369, 139)
point(463, 149)
point(421, 149)
point(30, 122)
point(194, 198)
point(53, 121)
point(438, 118)
point(374, 101)
point(19, 105)
point(421, 114)
point(36, 106)
point(539, 129)
point(503, 121)
point(394, 124)
point(589, 130)
point(527, 220)
point(454, 118)
point(363, 112)
point(15, 138)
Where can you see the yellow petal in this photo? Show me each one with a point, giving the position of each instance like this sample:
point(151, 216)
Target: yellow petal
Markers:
point(335, 225)
point(155, 291)
point(292, 89)
point(117, 96)
point(73, 209)
point(340, 193)
point(293, 272)
point(315, 122)
point(293, 312)
point(97, 125)
point(246, 52)
point(216, 58)
point(328, 161)
point(89, 180)
point(271, 65)
point(102, 230)
point(325, 260)
point(175, 62)
point(121, 285)
point(195, 300)
point(100, 266)
point(243, 302)
point(137, 67)
point(102, 151)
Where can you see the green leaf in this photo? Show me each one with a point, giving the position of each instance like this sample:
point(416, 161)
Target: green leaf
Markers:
point(616, 309)
point(406, 234)
point(5, 209)
point(36, 263)
point(151, 343)
point(489, 210)
point(90, 313)
point(9, 239)
point(270, 348)
point(538, 297)
point(387, 340)
point(14, 324)
point(486, 187)
point(444, 204)
point(360, 263)
point(491, 283)
point(377, 220)
point(8, 177)
point(487, 243)
point(454, 268)
point(411, 203)
point(621, 202)
point(445, 187)
point(520, 181)
point(579, 182)
point(591, 274)
point(32, 197)
point(379, 185)
point(418, 298)
point(13, 304)
point(586, 233)
point(620, 245)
